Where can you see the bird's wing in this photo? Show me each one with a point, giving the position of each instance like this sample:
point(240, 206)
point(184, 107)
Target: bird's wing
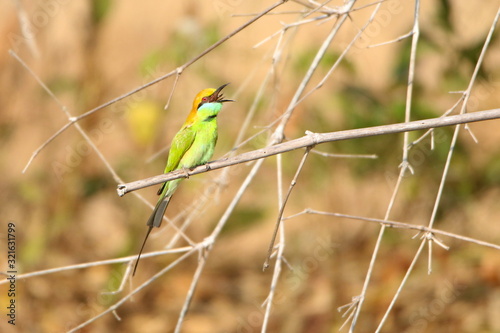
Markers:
point(181, 143)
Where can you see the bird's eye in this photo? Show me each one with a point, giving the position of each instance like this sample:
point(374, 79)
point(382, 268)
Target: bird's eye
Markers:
point(204, 99)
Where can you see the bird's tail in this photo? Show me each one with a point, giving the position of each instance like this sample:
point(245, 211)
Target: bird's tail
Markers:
point(157, 215)
point(154, 221)
point(142, 248)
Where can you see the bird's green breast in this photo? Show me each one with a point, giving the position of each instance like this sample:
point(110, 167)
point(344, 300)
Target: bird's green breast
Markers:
point(195, 144)
point(203, 146)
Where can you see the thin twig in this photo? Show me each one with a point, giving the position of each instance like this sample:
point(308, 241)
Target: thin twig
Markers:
point(342, 55)
point(115, 306)
point(278, 133)
point(26, 26)
point(404, 166)
point(189, 297)
point(99, 263)
point(396, 40)
point(325, 154)
point(401, 285)
point(176, 80)
point(281, 248)
point(431, 130)
point(451, 150)
point(282, 208)
point(400, 225)
point(463, 110)
point(68, 115)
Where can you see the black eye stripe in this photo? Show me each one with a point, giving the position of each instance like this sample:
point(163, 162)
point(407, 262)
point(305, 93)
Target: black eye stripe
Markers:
point(212, 98)
point(203, 101)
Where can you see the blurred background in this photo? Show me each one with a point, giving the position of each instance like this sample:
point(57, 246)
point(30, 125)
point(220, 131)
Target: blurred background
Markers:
point(66, 210)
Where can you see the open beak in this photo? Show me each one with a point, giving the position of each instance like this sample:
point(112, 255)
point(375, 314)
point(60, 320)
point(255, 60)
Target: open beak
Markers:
point(218, 97)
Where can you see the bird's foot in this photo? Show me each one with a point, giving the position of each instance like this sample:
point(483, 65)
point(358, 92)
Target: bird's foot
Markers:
point(186, 173)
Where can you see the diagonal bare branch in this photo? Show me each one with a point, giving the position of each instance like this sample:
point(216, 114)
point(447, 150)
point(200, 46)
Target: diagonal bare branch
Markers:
point(176, 72)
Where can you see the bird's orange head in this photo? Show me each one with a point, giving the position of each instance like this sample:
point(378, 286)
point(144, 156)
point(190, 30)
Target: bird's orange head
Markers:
point(209, 95)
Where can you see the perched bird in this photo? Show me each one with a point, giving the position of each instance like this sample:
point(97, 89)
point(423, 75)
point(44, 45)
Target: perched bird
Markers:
point(193, 145)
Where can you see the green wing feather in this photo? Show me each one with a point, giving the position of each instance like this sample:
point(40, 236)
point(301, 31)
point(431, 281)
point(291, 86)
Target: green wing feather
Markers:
point(181, 143)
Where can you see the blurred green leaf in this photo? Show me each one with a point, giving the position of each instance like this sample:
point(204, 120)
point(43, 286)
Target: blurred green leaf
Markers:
point(95, 183)
point(302, 61)
point(33, 249)
point(444, 15)
point(470, 54)
point(100, 9)
point(188, 40)
point(143, 120)
point(154, 59)
point(61, 84)
point(492, 171)
point(243, 218)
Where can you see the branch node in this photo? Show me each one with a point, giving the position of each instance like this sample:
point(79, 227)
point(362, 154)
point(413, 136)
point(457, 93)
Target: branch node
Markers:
point(405, 165)
point(314, 137)
point(432, 238)
point(207, 243)
point(122, 190)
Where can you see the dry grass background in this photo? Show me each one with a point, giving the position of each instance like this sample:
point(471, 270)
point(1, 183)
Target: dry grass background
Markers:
point(67, 212)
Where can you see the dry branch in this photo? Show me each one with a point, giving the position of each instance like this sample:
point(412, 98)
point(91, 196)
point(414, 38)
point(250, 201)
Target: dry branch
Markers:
point(312, 139)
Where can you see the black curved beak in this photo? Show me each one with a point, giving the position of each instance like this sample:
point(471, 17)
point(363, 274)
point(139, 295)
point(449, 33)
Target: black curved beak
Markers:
point(218, 97)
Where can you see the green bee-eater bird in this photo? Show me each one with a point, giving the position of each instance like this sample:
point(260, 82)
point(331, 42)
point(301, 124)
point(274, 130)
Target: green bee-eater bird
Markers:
point(193, 145)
